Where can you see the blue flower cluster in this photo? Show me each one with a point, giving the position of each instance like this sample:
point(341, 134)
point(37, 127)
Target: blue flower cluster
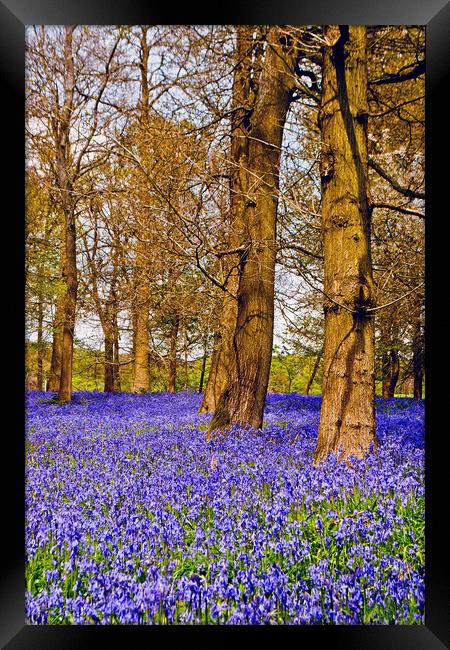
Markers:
point(131, 517)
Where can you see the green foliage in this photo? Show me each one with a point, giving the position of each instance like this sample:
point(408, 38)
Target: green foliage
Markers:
point(291, 372)
point(288, 372)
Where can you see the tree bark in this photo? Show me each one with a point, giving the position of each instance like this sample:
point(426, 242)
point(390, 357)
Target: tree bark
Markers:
point(391, 370)
point(314, 371)
point(186, 363)
point(141, 368)
point(243, 101)
point(173, 354)
point(109, 362)
point(55, 364)
point(418, 361)
point(68, 207)
point(212, 392)
point(202, 372)
point(107, 314)
point(108, 318)
point(243, 396)
point(40, 346)
point(70, 276)
point(347, 419)
point(223, 348)
point(58, 322)
point(116, 349)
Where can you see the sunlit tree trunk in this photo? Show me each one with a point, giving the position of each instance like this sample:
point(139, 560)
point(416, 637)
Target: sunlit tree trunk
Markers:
point(390, 372)
point(70, 276)
point(55, 363)
point(202, 372)
point(40, 346)
point(68, 208)
point(40, 316)
point(243, 396)
point(108, 317)
point(220, 361)
point(211, 390)
point(116, 358)
point(109, 362)
point(186, 362)
point(58, 319)
point(347, 419)
point(418, 360)
point(175, 322)
point(141, 368)
point(313, 372)
point(243, 99)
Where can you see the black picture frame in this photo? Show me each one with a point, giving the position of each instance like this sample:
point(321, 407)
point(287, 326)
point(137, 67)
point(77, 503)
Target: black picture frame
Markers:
point(435, 14)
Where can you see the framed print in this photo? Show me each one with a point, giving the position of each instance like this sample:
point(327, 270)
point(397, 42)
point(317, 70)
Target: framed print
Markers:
point(220, 219)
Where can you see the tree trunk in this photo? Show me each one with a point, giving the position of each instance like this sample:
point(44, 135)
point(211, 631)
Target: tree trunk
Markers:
point(141, 368)
point(202, 373)
point(243, 396)
point(58, 321)
point(418, 361)
point(111, 330)
point(173, 354)
point(347, 419)
point(70, 276)
point(141, 337)
point(243, 100)
point(133, 335)
point(391, 370)
point(116, 357)
point(211, 390)
point(186, 369)
point(223, 346)
point(418, 384)
point(109, 362)
point(40, 346)
point(68, 207)
point(141, 374)
point(313, 373)
point(55, 364)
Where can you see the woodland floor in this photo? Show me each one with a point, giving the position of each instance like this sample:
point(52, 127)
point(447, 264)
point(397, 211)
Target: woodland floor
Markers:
point(133, 518)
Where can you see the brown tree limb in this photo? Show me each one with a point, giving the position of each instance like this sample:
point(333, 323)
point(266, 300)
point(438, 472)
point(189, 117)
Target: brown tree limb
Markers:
point(406, 191)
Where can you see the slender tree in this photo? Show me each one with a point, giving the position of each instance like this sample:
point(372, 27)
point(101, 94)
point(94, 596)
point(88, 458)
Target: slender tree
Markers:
point(390, 371)
point(65, 186)
point(55, 364)
point(204, 358)
point(174, 325)
point(418, 359)
point(245, 79)
point(67, 90)
point(389, 343)
point(141, 306)
point(243, 396)
point(313, 372)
